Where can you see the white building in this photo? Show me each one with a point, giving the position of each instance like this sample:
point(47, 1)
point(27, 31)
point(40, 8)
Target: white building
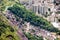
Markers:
point(42, 9)
point(40, 6)
point(35, 8)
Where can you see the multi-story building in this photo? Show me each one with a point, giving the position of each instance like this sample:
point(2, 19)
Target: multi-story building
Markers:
point(40, 6)
point(43, 6)
point(42, 9)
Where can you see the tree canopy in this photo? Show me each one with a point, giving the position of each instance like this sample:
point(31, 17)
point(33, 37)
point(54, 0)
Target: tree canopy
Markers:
point(29, 16)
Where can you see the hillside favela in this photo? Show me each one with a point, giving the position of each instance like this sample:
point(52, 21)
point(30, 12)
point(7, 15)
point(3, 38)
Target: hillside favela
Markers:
point(29, 19)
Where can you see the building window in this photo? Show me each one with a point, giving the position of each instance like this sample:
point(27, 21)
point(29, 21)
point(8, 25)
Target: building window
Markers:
point(49, 9)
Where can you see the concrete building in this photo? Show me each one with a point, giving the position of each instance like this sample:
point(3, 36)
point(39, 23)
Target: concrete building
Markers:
point(43, 6)
point(40, 6)
point(35, 8)
point(42, 9)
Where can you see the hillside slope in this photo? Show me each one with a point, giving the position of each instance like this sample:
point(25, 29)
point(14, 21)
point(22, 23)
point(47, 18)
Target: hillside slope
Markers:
point(6, 30)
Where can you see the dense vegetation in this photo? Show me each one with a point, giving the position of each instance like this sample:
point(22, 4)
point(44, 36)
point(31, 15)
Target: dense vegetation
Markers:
point(6, 30)
point(29, 16)
point(33, 37)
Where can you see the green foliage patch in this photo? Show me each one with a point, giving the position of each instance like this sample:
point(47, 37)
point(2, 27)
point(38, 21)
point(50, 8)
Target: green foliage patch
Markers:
point(6, 30)
point(29, 16)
